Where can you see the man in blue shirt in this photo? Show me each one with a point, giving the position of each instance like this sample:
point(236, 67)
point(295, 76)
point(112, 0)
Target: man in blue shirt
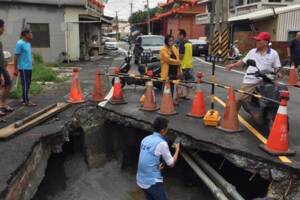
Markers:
point(152, 149)
point(24, 62)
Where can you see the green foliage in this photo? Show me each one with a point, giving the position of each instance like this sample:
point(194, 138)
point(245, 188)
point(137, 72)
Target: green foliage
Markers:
point(35, 88)
point(141, 16)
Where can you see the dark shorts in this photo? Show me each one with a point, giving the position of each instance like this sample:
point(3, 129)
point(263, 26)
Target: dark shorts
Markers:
point(156, 192)
point(188, 74)
point(6, 81)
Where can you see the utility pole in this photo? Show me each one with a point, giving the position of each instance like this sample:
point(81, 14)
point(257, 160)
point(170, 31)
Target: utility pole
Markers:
point(212, 20)
point(117, 24)
point(131, 12)
point(148, 16)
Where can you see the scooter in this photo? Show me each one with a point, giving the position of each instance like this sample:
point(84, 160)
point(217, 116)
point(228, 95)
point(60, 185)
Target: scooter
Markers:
point(155, 68)
point(264, 111)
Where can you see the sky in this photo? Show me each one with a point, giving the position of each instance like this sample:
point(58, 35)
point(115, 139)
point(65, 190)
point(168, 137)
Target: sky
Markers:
point(123, 7)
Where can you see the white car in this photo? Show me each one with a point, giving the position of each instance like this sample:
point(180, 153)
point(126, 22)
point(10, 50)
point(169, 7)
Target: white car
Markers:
point(111, 44)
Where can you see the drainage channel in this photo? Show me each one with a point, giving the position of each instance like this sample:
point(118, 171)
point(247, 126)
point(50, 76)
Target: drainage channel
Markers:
point(70, 176)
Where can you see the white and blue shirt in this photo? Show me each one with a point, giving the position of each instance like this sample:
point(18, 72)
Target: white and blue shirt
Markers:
point(153, 147)
point(268, 61)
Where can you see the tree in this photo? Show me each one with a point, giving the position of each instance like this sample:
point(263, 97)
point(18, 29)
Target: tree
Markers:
point(141, 16)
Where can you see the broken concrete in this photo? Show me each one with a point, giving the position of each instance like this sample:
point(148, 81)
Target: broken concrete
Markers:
point(284, 179)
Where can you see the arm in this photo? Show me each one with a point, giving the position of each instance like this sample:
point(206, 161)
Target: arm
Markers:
point(16, 58)
point(240, 63)
point(289, 52)
point(164, 151)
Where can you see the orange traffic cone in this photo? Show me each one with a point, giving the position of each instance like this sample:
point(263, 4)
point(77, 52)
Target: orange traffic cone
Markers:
point(278, 142)
point(198, 107)
point(98, 90)
point(230, 121)
point(117, 97)
point(149, 103)
point(75, 95)
point(167, 104)
point(293, 77)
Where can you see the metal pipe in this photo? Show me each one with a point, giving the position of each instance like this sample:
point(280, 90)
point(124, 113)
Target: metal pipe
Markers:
point(206, 180)
point(228, 188)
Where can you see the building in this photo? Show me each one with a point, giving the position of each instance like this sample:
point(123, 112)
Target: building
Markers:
point(239, 7)
point(69, 29)
point(175, 15)
point(281, 22)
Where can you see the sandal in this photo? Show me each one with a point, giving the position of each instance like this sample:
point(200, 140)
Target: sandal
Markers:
point(30, 104)
point(2, 113)
point(7, 108)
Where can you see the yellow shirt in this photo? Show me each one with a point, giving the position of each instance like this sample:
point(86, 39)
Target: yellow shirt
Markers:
point(187, 60)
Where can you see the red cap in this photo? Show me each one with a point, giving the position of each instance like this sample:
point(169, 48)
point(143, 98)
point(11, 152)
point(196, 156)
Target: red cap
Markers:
point(263, 36)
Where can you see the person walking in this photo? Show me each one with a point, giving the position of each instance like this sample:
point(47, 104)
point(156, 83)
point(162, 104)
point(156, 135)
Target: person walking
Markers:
point(6, 82)
point(170, 62)
point(186, 57)
point(24, 63)
point(152, 149)
point(293, 51)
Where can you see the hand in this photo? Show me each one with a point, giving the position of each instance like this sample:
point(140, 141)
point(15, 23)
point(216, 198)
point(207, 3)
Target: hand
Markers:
point(176, 147)
point(229, 67)
point(16, 73)
point(161, 166)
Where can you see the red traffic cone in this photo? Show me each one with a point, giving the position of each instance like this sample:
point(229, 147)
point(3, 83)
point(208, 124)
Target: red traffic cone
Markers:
point(278, 141)
point(167, 104)
point(230, 121)
point(293, 77)
point(75, 95)
point(149, 103)
point(98, 89)
point(117, 97)
point(198, 107)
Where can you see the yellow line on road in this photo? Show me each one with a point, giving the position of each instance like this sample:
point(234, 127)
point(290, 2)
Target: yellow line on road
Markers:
point(254, 131)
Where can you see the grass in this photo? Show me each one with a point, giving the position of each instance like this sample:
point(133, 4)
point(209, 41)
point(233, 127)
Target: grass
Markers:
point(42, 72)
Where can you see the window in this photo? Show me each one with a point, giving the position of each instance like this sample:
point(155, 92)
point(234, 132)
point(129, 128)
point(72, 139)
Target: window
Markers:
point(41, 35)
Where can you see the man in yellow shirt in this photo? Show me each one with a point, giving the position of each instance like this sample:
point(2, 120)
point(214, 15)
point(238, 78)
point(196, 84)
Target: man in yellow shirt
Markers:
point(186, 56)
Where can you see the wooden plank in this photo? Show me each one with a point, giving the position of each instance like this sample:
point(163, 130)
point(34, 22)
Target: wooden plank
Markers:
point(11, 130)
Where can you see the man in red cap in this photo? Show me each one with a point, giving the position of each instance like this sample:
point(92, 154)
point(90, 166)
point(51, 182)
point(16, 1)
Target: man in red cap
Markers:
point(265, 57)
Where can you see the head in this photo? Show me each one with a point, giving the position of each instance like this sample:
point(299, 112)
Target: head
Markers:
point(160, 125)
point(169, 40)
point(298, 36)
point(262, 40)
point(181, 34)
point(26, 34)
point(1, 27)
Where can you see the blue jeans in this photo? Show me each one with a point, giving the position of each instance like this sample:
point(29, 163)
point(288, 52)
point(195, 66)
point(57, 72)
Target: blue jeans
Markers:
point(156, 192)
point(25, 76)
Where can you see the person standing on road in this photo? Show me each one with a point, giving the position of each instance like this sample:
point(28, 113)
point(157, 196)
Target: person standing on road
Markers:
point(186, 57)
point(265, 57)
point(24, 62)
point(152, 149)
point(170, 61)
point(294, 51)
point(6, 82)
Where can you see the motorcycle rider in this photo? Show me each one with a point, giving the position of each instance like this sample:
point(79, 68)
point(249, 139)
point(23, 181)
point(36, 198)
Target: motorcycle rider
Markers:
point(265, 57)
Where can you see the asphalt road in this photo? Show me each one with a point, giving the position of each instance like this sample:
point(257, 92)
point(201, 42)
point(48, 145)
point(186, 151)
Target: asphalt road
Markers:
point(254, 134)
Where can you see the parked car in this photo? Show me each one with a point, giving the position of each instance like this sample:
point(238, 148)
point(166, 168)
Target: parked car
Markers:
point(147, 48)
point(200, 47)
point(111, 44)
